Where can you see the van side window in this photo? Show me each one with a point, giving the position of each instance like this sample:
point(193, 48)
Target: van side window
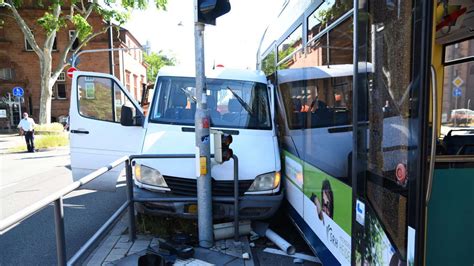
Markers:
point(100, 98)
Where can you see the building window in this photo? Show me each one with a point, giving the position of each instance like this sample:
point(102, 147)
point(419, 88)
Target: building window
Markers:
point(62, 76)
point(29, 47)
point(76, 42)
point(6, 74)
point(127, 80)
point(61, 90)
point(55, 44)
point(135, 86)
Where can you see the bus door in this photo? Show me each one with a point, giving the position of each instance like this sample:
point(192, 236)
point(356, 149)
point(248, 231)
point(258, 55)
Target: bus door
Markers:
point(449, 212)
point(390, 110)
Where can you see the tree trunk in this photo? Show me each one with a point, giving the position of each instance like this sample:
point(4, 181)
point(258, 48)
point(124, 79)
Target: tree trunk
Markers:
point(46, 89)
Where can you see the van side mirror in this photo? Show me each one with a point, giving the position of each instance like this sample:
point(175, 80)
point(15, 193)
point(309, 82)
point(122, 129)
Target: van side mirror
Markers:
point(127, 119)
point(126, 116)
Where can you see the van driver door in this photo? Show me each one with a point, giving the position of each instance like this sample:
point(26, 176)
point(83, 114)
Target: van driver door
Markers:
point(97, 137)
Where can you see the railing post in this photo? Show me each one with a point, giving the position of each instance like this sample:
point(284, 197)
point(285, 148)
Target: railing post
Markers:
point(131, 204)
point(236, 198)
point(60, 235)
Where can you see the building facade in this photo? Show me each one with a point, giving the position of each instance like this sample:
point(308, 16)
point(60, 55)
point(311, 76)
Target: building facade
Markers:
point(20, 67)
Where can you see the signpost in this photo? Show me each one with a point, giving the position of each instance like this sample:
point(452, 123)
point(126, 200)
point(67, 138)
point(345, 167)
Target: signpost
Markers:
point(18, 93)
point(206, 12)
point(457, 92)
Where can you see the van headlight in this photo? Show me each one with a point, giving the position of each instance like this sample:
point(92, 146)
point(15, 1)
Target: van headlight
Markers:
point(266, 181)
point(149, 176)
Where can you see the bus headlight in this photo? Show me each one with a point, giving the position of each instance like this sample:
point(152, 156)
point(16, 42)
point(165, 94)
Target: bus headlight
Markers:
point(266, 181)
point(149, 176)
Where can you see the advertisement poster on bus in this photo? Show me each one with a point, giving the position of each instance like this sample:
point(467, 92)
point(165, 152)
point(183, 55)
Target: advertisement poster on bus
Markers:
point(324, 202)
point(373, 246)
point(327, 210)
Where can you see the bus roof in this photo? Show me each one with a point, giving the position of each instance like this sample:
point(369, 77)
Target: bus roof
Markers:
point(320, 72)
point(218, 73)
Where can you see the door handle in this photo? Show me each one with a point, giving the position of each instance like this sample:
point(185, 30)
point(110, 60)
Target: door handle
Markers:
point(75, 131)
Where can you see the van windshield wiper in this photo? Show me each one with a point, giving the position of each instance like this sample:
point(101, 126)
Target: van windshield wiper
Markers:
point(241, 101)
point(192, 97)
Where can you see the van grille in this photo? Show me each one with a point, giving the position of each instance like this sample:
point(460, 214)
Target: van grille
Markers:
point(188, 187)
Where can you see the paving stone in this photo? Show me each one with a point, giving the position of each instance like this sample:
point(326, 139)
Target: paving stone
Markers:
point(124, 239)
point(118, 251)
point(119, 229)
point(103, 251)
point(144, 237)
point(139, 245)
point(123, 245)
point(112, 258)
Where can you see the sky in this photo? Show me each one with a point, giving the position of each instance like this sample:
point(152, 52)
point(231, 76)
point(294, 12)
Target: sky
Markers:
point(233, 42)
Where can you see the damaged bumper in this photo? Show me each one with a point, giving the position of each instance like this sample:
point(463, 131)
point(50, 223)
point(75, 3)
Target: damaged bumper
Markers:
point(253, 207)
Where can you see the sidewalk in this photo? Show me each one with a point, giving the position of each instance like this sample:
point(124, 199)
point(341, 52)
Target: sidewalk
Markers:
point(116, 249)
point(10, 140)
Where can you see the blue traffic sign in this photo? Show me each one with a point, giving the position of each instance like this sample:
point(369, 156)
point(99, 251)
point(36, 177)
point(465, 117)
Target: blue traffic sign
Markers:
point(457, 92)
point(18, 91)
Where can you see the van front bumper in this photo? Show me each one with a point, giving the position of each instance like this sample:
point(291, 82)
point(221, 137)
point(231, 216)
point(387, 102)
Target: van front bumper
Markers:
point(252, 207)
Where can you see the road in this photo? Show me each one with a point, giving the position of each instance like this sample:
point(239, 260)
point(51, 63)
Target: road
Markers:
point(27, 177)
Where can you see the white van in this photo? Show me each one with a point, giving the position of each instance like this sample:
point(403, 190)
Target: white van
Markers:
point(239, 102)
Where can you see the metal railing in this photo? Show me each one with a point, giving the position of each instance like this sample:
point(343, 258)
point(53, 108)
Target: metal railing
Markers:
point(57, 197)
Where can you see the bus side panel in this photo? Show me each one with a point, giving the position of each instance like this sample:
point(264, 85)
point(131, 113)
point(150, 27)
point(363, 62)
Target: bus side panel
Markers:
point(294, 181)
point(450, 226)
point(332, 225)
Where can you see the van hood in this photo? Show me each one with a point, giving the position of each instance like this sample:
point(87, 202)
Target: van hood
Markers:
point(257, 152)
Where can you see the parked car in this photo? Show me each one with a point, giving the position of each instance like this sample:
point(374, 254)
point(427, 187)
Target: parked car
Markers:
point(462, 116)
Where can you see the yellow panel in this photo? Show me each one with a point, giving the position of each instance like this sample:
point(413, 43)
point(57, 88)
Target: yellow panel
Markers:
point(437, 62)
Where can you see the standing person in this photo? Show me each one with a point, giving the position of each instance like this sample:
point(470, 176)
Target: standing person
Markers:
point(27, 127)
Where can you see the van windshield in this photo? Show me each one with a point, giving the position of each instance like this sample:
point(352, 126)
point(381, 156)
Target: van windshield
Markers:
point(231, 103)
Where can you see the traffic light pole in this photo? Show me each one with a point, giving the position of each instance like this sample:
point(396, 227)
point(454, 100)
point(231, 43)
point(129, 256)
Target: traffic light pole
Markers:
point(203, 161)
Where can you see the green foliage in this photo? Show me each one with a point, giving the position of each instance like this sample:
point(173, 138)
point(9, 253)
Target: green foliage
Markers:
point(51, 23)
point(83, 28)
point(156, 61)
point(165, 227)
point(45, 142)
point(140, 4)
point(53, 128)
point(112, 15)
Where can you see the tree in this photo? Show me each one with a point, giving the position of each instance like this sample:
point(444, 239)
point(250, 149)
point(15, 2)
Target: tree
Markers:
point(156, 61)
point(76, 18)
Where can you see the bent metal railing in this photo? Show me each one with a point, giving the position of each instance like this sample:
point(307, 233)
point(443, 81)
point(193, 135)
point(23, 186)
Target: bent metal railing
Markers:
point(57, 197)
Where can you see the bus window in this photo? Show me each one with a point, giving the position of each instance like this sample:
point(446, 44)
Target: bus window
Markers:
point(293, 95)
point(292, 44)
point(329, 102)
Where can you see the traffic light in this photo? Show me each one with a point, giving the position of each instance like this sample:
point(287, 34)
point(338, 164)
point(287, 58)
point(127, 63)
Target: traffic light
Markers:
point(209, 10)
point(222, 151)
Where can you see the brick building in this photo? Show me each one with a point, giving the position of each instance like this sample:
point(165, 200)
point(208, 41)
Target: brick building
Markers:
point(19, 64)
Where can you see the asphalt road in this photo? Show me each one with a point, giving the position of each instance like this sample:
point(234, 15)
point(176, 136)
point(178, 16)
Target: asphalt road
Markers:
point(26, 178)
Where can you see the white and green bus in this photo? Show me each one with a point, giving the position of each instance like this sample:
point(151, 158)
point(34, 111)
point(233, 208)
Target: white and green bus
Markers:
point(363, 94)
